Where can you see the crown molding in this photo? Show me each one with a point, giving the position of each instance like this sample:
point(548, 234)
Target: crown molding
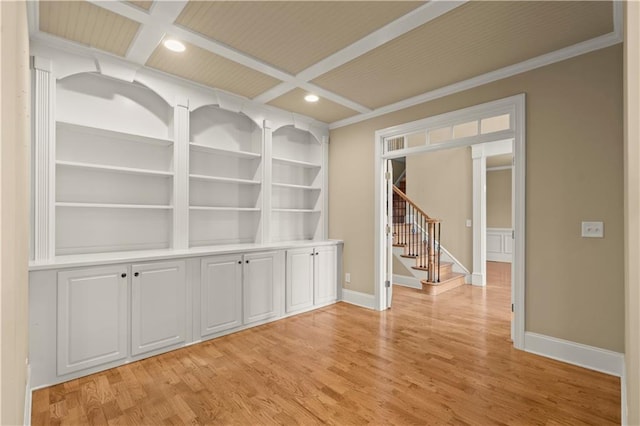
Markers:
point(597, 43)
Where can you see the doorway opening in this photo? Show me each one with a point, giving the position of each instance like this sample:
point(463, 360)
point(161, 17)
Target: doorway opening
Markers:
point(486, 130)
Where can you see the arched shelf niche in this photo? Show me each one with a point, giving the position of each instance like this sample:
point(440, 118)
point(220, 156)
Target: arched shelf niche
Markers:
point(297, 185)
point(225, 178)
point(114, 166)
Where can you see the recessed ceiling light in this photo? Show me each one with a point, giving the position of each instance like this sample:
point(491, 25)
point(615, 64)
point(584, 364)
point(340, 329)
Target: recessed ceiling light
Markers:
point(311, 98)
point(174, 45)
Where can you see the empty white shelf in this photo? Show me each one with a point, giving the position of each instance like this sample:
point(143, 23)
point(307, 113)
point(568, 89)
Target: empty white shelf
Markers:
point(220, 151)
point(225, 179)
point(104, 167)
point(226, 209)
point(114, 206)
point(296, 210)
point(296, 163)
point(292, 186)
point(88, 130)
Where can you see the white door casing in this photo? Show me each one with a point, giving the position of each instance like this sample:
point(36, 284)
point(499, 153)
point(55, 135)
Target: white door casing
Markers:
point(514, 106)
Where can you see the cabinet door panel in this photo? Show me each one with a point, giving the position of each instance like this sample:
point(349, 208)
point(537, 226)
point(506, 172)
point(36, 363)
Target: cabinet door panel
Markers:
point(157, 306)
point(92, 317)
point(221, 294)
point(299, 280)
point(261, 291)
point(325, 275)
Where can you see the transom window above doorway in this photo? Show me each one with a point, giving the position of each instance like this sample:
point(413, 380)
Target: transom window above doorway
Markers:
point(441, 133)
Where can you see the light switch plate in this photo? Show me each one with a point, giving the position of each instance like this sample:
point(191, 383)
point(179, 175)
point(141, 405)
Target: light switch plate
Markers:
point(469, 223)
point(593, 229)
point(347, 277)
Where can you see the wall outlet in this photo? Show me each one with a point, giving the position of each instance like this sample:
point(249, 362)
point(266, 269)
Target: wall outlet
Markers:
point(468, 223)
point(347, 277)
point(593, 229)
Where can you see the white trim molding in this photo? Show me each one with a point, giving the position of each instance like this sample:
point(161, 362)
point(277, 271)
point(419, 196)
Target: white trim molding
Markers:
point(602, 360)
point(28, 398)
point(515, 107)
point(43, 173)
point(364, 300)
point(623, 395)
point(410, 282)
point(160, 21)
point(584, 47)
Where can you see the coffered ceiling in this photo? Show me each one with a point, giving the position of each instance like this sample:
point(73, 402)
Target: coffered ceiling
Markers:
point(362, 58)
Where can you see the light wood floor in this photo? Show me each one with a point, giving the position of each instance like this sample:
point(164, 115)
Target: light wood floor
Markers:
point(429, 360)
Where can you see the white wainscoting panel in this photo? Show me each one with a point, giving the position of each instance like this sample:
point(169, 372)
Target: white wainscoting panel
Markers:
point(499, 244)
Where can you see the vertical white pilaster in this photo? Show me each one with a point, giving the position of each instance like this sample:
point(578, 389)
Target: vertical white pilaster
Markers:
point(44, 155)
point(479, 275)
point(181, 174)
point(267, 179)
point(324, 232)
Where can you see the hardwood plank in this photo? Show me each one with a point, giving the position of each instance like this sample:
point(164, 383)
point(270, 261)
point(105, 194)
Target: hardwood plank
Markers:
point(428, 360)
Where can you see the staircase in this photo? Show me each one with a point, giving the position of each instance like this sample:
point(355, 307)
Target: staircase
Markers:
point(417, 237)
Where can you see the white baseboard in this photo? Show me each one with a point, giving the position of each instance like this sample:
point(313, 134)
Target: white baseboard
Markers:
point(623, 396)
point(364, 300)
point(407, 281)
point(478, 279)
point(590, 357)
point(27, 398)
point(499, 257)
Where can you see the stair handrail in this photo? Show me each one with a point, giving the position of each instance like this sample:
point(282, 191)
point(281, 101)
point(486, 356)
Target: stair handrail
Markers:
point(403, 174)
point(414, 205)
point(432, 243)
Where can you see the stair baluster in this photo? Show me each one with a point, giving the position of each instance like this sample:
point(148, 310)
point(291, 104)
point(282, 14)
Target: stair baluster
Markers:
point(419, 233)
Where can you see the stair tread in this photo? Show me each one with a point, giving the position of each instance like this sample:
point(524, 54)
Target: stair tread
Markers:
point(444, 265)
point(455, 280)
point(445, 279)
point(410, 256)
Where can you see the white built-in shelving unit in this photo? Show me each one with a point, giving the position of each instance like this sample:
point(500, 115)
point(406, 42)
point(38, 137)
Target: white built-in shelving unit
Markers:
point(113, 166)
point(297, 183)
point(225, 178)
point(127, 162)
point(163, 213)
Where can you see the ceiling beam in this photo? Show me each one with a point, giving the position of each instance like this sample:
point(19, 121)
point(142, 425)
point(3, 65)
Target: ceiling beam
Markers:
point(578, 49)
point(163, 15)
point(161, 22)
point(394, 29)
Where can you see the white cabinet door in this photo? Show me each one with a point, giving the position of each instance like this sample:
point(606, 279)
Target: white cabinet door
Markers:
point(299, 279)
point(325, 275)
point(261, 286)
point(92, 317)
point(221, 294)
point(158, 311)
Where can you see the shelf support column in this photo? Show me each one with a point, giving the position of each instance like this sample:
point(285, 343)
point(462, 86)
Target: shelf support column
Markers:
point(267, 178)
point(44, 161)
point(479, 158)
point(324, 199)
point(181, 174)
